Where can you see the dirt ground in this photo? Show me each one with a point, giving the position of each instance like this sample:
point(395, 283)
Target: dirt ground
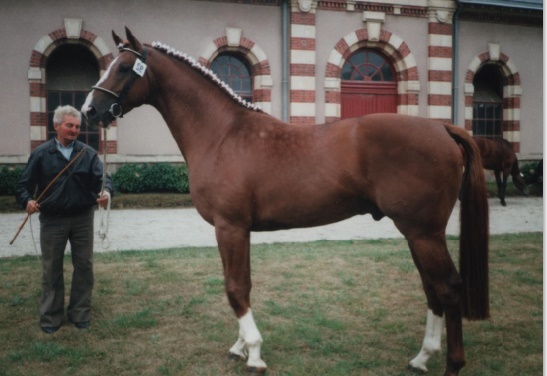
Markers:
point(167, 228)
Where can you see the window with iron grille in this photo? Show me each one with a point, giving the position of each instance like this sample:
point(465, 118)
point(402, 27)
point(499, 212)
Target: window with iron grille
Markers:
point(367, 65)
point(231, 68)
point(488, 102)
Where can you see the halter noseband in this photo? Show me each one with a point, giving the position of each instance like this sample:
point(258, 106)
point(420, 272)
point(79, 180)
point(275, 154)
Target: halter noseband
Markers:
point(116, 109)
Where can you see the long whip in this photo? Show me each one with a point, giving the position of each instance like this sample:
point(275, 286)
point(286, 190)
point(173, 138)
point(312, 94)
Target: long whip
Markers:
point(46, 189)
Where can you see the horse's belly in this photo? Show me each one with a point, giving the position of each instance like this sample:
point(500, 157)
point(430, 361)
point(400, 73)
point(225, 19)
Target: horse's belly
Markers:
point(301, 215)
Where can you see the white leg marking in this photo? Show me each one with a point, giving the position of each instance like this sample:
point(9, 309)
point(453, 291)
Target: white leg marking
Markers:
point(432, 341)
point(249, 341)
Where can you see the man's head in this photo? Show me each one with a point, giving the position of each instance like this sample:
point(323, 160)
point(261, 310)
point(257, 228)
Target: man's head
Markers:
point(66, 121)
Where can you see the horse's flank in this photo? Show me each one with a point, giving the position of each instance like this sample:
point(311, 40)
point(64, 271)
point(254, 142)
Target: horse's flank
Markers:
point(496, 153)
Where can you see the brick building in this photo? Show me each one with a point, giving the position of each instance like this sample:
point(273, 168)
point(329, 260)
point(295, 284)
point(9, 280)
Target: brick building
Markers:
point(475, 63)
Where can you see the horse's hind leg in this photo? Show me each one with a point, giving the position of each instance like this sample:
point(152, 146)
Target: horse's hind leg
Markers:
point(234, 248)
point(431, 344)
point(441, 283)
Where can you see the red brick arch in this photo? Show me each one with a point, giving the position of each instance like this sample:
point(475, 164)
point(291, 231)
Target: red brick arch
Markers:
point(512, 92)
point(396, 51)
point(37, 78)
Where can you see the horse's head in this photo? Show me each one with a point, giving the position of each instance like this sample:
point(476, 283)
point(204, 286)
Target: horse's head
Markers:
point(520, 183)
point(123, 86)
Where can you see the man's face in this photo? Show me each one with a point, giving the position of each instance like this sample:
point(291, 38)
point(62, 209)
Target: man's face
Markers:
point(68, 130)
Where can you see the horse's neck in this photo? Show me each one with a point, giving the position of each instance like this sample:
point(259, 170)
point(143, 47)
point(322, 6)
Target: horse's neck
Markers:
point(197, 112)
point(515, 170)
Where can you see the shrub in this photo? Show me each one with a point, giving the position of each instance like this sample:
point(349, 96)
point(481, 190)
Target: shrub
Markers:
point(529, 172)
point(9, 176)
point(159, 177)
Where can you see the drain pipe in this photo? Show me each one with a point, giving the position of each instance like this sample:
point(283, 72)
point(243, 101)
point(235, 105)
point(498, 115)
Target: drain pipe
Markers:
point(455, 61)
point(285, 60)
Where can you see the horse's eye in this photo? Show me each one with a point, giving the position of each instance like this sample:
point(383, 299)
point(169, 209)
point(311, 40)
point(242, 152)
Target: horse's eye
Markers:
point(124, 68)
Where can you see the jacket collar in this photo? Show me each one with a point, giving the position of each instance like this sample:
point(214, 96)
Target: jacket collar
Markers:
point(52, 146)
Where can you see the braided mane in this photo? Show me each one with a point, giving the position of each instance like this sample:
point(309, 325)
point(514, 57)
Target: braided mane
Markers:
point(205, 72)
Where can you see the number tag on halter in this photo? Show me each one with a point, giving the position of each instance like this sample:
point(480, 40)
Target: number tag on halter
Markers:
point(139, 67)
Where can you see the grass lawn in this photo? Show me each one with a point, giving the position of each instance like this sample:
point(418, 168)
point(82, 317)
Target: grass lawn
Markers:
point(324, 308)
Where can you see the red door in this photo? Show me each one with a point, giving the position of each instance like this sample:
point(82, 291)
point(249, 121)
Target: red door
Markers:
point(360, 98)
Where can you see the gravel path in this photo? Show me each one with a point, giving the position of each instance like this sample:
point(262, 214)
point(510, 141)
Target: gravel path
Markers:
point(166, 228)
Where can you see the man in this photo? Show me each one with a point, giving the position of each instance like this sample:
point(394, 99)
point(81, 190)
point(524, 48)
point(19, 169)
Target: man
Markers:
point(66, 214)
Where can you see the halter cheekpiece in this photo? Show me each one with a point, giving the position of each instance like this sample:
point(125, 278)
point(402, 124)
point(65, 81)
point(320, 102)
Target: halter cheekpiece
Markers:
point(139, 68)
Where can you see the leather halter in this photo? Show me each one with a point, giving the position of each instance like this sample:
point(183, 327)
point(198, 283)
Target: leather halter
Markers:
point(116, 109)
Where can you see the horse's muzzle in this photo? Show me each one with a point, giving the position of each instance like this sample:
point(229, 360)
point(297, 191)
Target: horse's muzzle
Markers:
point(94, 118)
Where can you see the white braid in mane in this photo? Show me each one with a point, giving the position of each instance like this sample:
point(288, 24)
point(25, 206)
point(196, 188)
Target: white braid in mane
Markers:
point(206, 72)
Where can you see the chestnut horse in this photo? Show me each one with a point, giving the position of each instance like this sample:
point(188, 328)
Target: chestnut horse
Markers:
point(252, 172)
point(498, 155)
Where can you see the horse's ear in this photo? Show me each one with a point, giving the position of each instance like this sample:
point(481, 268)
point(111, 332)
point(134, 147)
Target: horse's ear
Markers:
point(117, 39)
point(133, 42)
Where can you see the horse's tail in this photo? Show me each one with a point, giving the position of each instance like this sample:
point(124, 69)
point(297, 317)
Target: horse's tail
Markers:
point(473, 229)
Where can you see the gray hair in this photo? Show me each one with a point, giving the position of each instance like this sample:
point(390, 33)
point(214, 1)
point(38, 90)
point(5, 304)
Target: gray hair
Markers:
point(61, 111)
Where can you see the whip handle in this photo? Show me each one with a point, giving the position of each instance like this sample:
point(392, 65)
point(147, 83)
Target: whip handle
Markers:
point(20, 228)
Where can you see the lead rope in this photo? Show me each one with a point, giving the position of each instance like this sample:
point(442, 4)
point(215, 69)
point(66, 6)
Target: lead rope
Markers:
point(104, 218)
point(33, 239)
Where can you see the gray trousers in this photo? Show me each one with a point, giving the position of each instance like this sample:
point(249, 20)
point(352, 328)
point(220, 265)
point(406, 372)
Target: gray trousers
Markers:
point(55, 232)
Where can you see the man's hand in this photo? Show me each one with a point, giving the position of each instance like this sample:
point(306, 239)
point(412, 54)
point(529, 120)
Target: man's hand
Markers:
point(32, 207)
point(103, 199)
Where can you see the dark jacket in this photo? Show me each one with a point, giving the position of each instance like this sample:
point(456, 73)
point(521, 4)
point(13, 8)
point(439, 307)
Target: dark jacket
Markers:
point(74, 191)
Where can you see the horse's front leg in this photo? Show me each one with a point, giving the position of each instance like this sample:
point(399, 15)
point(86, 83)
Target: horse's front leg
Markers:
point(501, 186)
point(234, 248)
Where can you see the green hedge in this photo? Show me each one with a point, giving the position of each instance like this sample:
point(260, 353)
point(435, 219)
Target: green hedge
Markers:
point(147, 178)
point(529, 172)
point(9, 176)
point(131, 178)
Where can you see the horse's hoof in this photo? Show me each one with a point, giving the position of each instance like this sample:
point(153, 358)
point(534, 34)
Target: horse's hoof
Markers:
point(232, 358)
point(419, 371)
point(256, 371)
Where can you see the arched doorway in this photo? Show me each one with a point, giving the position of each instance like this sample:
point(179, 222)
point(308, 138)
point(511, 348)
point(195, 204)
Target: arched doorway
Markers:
point(488, 101)
point(495, 69)
point(368, 84)
point(71, 70)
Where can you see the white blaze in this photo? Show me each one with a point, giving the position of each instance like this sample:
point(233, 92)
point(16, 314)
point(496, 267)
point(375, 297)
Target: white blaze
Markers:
point(89, 98)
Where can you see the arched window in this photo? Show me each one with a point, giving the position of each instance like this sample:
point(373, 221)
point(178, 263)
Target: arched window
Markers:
point(233, 70)
point(488, 102)
point(367, 65)
point(71, 70)
point(368, 84)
